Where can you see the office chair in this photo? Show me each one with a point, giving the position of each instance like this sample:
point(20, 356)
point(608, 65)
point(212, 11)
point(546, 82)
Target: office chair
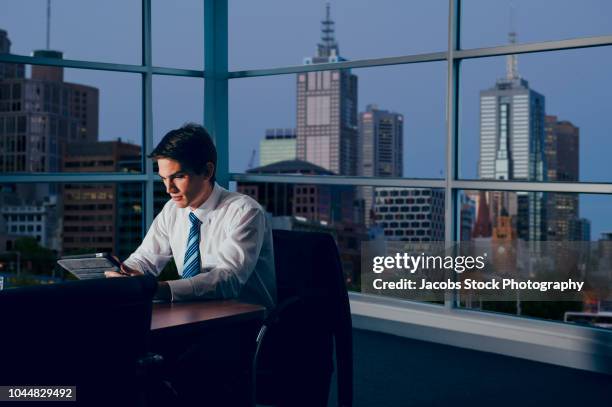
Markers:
point(293, 361)
point(90, 334)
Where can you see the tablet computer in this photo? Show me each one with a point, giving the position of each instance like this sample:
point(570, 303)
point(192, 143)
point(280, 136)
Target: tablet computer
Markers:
point(88, 266)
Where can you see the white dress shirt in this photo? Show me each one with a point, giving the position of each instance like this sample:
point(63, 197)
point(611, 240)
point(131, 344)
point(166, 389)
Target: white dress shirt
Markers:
point(237, 258)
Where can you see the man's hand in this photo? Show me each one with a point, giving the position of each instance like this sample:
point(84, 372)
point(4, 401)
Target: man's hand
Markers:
point(125, 271)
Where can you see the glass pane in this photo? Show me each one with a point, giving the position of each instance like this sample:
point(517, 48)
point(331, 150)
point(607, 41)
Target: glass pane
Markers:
point(178, 33)
point(535, 125)
point(488, 23)
point(72, 219)
point(536, 236)
point(259, 30)
point(79, 28)
point(353, 215)
point(249, 119)
point(52, 118)
point(385, 122)
point(176, 101)
point(417, 92)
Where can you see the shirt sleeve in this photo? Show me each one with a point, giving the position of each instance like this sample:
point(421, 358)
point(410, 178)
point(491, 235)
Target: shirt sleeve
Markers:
point(237, 257)
point(154, 252)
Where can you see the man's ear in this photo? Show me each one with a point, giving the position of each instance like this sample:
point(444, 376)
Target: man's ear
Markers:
point(210, 170)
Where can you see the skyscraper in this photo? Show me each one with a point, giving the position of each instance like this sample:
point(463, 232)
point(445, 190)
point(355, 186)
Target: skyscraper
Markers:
point(39, 117)
point(99, 216)
point(327, 110)
point(381, 136)
point(562, 150)
point(512, 145)
point(562, 161)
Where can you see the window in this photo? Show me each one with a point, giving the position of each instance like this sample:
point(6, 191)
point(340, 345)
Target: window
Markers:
point(379, 122)
point(178, 23)
point(89, 120)
point(170, 91)
point(479, 113)
point(499, 116)
point(253, 47)
point(317, 111)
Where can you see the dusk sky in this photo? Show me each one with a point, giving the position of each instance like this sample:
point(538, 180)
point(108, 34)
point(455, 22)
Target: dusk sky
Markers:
point(272, 33)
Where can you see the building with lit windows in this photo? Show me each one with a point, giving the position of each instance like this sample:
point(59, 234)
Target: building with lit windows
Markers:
point(40, 115)
point(512, 147)
point(98, 215)
point(562, 164)
point(381, 135)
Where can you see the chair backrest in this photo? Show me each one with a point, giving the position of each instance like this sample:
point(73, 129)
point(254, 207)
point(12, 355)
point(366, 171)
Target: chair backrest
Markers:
point(300, 349)
point(88, 334)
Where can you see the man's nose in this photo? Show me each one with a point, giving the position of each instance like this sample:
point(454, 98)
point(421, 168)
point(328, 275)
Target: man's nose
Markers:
point(170, 187)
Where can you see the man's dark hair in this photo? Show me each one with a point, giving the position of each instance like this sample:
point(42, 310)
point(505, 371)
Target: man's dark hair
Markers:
point(191, 146)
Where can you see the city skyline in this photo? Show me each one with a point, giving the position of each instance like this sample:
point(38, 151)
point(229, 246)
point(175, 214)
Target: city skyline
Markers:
point(373, 82)
point(533, 127)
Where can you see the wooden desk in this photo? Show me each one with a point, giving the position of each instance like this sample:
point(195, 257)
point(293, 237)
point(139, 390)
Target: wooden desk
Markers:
point(217, 335)
point(202, 315)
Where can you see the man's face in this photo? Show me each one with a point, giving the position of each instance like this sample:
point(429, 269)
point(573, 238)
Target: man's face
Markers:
point(185, 188)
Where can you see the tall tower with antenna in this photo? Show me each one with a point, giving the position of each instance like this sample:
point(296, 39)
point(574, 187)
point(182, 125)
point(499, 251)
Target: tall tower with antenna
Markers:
point(326, 131)
point(512, 145)
point(511, 60)
point(328, 45)
point(48, 25)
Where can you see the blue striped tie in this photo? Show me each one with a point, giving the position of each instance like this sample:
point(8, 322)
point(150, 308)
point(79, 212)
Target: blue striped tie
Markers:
point(191, 265)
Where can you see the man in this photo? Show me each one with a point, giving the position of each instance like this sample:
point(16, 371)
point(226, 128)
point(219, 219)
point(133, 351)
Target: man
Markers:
point(221, 241)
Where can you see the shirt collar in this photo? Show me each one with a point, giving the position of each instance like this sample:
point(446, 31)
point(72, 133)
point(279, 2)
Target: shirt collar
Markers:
point(211, 203)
